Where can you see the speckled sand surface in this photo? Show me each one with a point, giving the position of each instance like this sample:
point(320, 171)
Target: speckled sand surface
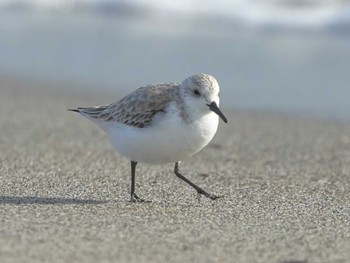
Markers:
point(64, 192)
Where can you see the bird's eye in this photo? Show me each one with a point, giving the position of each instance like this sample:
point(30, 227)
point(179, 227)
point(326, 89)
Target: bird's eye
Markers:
point(196, 92)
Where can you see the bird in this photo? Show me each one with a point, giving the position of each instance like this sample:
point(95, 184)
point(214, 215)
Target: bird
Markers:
point(162, 123)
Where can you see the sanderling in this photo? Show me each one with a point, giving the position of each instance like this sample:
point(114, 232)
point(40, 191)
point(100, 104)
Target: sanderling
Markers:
point(162, 123)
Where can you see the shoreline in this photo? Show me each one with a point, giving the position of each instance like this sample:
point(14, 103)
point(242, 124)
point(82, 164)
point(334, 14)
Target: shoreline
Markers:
point(107, 95)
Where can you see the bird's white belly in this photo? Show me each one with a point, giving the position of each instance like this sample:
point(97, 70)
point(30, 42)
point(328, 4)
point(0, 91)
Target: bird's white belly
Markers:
point(169, 140)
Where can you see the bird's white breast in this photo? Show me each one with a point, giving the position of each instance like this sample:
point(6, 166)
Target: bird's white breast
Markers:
point(168, 139)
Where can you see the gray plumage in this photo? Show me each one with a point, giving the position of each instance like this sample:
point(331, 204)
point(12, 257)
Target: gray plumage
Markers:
point(136, 109)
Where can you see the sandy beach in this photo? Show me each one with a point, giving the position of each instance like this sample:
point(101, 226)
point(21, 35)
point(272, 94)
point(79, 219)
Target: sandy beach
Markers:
point(64, 193)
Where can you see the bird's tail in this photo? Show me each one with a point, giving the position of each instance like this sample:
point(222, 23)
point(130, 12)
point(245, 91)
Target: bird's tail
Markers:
point(91, 112)
point(75, 110)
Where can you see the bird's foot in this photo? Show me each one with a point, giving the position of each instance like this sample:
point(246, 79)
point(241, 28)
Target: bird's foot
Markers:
point(210, 196)
point(136, 199)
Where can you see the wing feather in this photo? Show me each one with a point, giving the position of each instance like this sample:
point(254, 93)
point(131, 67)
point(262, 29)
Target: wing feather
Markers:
point(136, 109)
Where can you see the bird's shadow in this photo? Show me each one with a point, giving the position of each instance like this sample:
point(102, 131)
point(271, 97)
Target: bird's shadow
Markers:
point(29, 200)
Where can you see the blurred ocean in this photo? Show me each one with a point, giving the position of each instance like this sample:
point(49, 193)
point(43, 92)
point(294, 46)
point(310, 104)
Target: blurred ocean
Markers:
point(289, 56)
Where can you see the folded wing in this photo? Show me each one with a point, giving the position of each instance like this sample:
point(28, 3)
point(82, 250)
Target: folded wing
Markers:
point(137, 109)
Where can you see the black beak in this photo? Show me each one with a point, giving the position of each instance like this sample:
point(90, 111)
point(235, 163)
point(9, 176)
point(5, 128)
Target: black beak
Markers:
point(214, 107)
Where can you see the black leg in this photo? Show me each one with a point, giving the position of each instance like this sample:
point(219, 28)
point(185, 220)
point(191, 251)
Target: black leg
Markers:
point(199, 190)
point(134, 197)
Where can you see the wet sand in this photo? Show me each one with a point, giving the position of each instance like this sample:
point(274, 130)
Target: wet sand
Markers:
point(64, 193)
